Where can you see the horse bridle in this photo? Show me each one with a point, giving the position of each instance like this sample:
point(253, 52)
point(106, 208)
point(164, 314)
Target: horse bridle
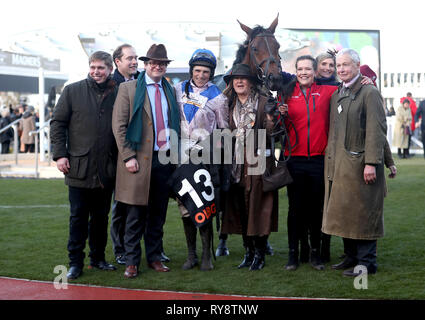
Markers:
point(262, 74)
point(280, 132)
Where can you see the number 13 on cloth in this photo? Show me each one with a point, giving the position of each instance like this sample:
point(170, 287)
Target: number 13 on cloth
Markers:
point(193, 186)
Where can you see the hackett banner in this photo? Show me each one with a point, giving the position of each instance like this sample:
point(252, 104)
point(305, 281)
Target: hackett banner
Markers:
point(11, 59)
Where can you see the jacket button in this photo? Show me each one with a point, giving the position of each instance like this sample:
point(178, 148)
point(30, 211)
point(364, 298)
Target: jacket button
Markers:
point(146, 158)
point(148, 140)
point(150, 123)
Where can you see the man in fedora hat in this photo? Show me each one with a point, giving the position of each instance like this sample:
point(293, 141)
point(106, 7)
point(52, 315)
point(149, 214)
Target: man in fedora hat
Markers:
point(145, 112)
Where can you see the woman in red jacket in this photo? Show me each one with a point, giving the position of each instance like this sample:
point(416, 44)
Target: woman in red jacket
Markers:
point(308, 110)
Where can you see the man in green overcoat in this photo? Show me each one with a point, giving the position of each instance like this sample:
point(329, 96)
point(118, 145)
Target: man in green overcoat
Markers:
point(354, 167)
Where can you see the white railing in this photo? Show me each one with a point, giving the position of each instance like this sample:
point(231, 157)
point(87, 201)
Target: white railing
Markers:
point(395, 85)
point(36, 133)
point(14, 125)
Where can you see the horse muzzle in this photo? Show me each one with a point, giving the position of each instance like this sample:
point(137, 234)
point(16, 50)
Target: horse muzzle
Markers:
point(274, 82)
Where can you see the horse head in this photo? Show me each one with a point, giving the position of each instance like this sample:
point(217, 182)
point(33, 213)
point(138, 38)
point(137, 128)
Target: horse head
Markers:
point(262, 54)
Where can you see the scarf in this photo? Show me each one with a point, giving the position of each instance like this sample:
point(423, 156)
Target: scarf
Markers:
point(244, 117)
point(133, 137)
point(331, 81)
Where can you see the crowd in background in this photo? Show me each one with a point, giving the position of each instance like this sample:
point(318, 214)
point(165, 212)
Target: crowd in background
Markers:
point(29, 117)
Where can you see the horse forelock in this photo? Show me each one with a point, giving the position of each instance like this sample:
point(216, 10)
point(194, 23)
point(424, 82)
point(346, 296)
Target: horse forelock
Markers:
point(241, 52)
point(256, 31)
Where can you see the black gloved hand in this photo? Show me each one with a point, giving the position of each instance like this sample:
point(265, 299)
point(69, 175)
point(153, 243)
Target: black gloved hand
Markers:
point(270, 106)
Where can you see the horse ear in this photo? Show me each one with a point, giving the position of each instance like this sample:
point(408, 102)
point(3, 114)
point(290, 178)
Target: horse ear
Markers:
point(245, 28)
point(273, 26)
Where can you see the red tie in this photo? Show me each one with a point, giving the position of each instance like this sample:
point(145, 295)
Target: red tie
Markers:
point(160, 127)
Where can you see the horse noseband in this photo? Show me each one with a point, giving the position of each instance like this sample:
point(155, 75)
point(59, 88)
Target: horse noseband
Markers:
point(262, 73)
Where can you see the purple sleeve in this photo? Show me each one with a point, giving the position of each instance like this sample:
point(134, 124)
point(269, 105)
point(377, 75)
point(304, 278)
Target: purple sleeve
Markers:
point(287, 77)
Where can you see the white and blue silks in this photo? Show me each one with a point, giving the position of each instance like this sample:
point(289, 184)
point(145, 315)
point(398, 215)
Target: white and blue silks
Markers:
point(192, 104)
point(205, 110)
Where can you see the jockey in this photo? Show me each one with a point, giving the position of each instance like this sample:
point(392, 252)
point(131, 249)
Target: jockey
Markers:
point(202, 105)
point(203, 108)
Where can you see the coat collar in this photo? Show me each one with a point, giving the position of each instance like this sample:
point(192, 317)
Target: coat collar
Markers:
point(353, 90)
point(312, 88)
point(106, 86)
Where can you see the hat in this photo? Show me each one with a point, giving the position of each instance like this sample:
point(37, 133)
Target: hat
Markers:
point(156, 52)
point(368, 72)
point(239, 70)
point(203, 57)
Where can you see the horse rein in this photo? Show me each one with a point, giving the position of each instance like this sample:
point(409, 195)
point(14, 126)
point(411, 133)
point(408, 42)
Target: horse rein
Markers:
point(261, 74)
point(280, 132)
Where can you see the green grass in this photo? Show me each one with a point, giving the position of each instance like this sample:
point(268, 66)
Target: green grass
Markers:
point(33, 241)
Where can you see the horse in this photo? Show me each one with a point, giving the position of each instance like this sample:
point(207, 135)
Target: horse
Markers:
point(260, 52)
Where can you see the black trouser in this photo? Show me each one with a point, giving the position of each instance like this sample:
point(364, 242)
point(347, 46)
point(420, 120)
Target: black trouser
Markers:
point(306, 197)
point(223, 236)
point(119, 216)
point(423, 138)
point(363, 252)
point(29, 148)
point(134, 229)
point(89, 219)
point(5, 147)
point(405, 153)
point(148, 221)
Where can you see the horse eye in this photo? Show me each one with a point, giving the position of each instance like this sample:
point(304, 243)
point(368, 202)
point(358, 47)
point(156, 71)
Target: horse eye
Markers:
point(254, 49)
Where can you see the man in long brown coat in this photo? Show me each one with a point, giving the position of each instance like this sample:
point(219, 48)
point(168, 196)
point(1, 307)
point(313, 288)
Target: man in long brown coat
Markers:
point(354, 169)
point(145, 112)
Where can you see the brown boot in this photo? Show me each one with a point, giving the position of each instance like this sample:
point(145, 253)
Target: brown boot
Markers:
point(190, 232)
